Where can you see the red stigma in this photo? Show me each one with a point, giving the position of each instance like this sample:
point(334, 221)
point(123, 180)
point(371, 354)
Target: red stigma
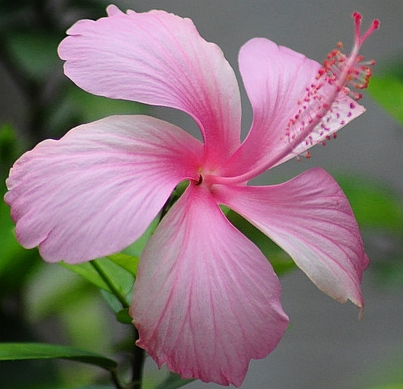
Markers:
point(360, 39)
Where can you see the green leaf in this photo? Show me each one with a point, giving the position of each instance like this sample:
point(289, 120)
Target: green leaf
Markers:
point(125, 261)
point(121, 268)
point(136, 248)
point(387, 91)
point(121, 278)
point(124, 317)
point(22, 351)
point(86, 271)
point(114, 303)
point(173, 381)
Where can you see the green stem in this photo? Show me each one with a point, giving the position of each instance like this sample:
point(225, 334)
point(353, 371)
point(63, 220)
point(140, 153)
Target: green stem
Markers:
point(138, 363)
point(138, 353)
point(116, 380)
point(113, 288)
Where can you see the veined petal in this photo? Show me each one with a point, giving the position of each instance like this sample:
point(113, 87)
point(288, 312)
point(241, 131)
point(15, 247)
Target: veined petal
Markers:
point(205, 300)
point(95, 191)
point(159, 59)
point(311, 219)
point(276, 80)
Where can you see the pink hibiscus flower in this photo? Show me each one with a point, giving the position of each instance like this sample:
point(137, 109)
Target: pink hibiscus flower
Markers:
point(206, 300)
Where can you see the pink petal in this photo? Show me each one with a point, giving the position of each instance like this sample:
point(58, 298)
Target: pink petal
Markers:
point(159, 59)
point(311, 219)
point(206, 300)
point(275, 78)
point(113, 10)
point(95, 191)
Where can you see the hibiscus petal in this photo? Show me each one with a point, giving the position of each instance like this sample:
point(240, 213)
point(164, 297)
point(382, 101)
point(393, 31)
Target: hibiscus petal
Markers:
point(95, 191)
point(311, 219)
point(159, 59)
point(205, 300)
point(275, 79)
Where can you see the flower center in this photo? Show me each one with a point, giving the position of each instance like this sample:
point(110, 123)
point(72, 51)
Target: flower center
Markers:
point(200, 180)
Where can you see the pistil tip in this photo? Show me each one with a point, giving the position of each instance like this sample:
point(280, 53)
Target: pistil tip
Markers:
point(357, 16)
point(374, 26)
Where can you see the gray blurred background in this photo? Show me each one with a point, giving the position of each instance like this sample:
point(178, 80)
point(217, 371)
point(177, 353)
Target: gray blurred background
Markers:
point(326, 346)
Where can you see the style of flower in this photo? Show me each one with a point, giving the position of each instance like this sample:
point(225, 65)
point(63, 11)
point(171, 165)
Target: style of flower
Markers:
point(206, 300)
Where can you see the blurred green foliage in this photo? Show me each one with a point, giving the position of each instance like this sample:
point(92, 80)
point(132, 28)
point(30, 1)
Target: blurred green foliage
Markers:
point(379, 213)
point(388, 386)
point(30, 33)
point(387, 89)
point(41, 302)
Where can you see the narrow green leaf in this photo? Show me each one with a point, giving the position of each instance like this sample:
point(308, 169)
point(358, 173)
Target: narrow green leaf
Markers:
point(127, 262)
point(136, 248)
point(121, 278)
point(124, 317)
point(112, 301)
point(173, 381)
point(22, 351)
point(86, 271)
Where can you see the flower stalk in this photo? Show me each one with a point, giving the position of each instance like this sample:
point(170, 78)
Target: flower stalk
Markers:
point(111, 285)
point(138, 354)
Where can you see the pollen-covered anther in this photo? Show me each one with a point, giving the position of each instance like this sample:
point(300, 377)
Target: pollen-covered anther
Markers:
point(351, 72)
point(341, 75)
point(306, 154)
point(357, 75)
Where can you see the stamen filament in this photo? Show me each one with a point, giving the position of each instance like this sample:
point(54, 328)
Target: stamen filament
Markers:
point(330, 75)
